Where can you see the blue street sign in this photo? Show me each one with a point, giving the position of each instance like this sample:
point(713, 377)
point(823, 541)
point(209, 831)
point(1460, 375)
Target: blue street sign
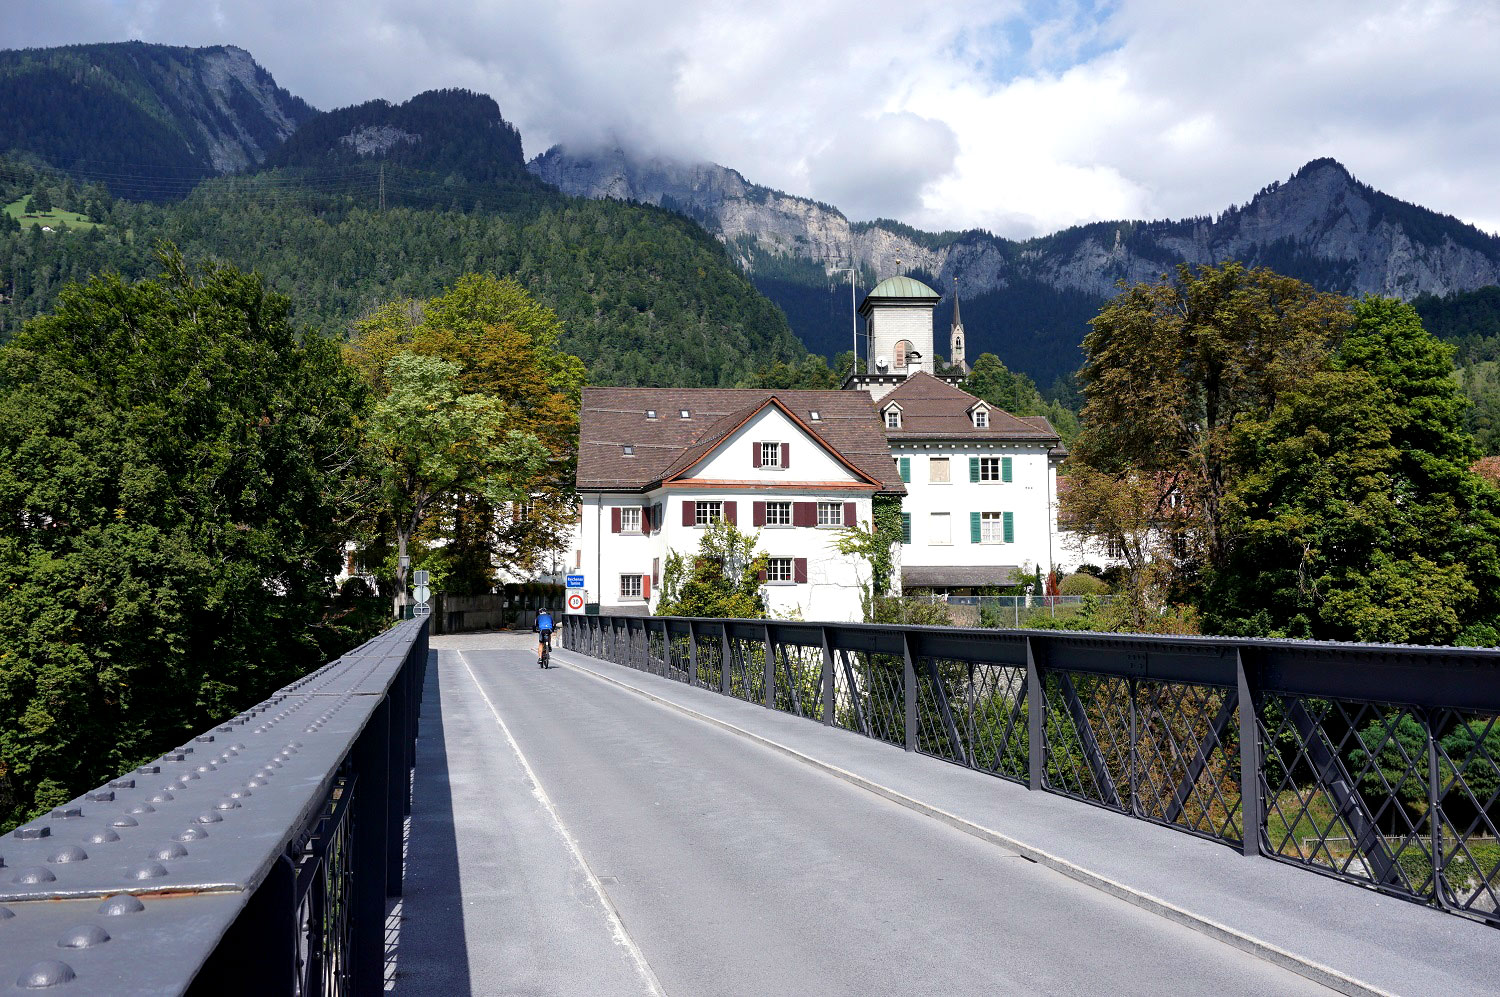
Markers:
point(575, 581)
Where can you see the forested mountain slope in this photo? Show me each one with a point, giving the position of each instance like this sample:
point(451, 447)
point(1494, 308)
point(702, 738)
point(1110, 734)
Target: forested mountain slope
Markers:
point(187, 112)
point(647, 297)
point(456, 133)
point(347, 209)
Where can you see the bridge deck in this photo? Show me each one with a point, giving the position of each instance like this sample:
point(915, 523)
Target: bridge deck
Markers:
point(655, 852)
point(1355, 939)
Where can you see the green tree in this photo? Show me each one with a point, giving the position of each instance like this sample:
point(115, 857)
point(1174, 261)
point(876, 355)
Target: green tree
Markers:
point(505, 346)
point(875, 543)
point(178, 469)
point(41, 200)
point(1355, 510)
point(1176, 366)
point(434, 441)
point(1014, 392)
point(811, 372)
point(723, 579)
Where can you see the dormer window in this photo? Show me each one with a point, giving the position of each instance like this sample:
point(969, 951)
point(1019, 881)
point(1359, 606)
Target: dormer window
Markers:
point(651, 413)
point(893, 418)
point(815, 415)
point(628, 450)
point(981, 418)
point(684, 413)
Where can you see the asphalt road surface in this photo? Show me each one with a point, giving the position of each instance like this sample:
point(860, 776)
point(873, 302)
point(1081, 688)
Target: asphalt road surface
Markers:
point(605, 844)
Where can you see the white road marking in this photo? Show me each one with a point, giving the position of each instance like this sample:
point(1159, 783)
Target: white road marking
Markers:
point(617, 926)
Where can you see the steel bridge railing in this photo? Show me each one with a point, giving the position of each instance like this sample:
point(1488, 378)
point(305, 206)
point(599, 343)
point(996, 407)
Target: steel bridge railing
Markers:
point(1375, 764)
point(256, 858)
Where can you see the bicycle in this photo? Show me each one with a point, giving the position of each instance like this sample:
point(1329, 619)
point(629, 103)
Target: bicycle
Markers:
point(543, 630)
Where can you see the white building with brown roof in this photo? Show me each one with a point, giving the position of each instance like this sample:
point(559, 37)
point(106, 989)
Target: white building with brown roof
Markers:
point(657, 465)
point(981, 487)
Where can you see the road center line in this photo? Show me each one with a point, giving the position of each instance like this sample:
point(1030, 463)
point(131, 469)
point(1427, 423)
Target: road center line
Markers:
point(617, 925)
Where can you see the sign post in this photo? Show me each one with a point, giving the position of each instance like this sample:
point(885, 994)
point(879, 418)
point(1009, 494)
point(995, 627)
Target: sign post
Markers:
point(421, 593)
point(577, 597)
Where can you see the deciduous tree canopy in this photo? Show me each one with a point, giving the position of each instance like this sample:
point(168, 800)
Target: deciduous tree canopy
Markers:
point(176, 474)
point(502, 346)
point(1290, 462)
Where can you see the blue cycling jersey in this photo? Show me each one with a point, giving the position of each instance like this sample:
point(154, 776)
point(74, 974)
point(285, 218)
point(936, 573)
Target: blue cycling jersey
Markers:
point(544, 621)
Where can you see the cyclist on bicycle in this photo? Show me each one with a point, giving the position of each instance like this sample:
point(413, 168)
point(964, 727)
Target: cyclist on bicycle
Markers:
point(543, 629)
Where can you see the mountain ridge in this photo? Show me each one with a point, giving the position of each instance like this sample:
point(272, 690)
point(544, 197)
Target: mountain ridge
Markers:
point(1029, 300)
point(1320, 207)
point(181, 115)
point(451, 131)
point(198, 111)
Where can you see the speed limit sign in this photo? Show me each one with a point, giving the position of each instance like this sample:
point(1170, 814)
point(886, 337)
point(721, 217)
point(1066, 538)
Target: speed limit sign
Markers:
point(575, 602)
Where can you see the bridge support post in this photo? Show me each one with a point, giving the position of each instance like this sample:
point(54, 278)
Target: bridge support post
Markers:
point(830, 693)
point(1430, 720)
point(1252, 807)
point(726, 661)
point(259, 951)
point(770, 669)
point(371, 795)
point(1036, 704)
point(399, 782)
point(692, 653)
point(909, 690)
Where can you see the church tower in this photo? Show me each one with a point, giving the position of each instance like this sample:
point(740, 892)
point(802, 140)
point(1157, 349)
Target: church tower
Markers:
point(956, 354)
point(898, 326)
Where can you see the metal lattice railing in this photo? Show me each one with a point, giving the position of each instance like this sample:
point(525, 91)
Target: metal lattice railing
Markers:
point(1377, 764)
point(265, 849)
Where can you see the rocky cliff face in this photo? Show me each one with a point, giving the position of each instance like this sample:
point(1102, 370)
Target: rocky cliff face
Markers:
point(1321, 225)
point(238, 112)
point(207, 110)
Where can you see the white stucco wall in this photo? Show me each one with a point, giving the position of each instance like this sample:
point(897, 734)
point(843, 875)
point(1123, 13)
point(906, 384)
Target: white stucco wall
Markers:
point(731, 460)
point(1027, 495)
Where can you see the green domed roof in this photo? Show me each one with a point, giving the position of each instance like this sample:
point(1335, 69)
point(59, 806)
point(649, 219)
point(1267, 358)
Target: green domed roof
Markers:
point(903, 287)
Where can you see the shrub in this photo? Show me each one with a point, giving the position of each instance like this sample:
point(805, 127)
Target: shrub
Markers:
point(1081, 584)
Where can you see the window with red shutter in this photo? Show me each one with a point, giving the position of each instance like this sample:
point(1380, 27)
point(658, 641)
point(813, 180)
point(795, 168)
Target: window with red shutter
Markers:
point(758, 513)
point(729, 513)
point(646, 587)
point(799, 570)
point(755, 454)
point(804, 513)
point(614, 520)
point(646, 519)
point(786, 456)
point(849, 519)
point(689, 512)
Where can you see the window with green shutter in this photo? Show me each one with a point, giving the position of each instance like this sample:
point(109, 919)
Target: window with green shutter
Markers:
point(905, 463)
point(974, 469)
point(1010, 527)
point(974, 528)
point(906, 527)
point(1004, 468)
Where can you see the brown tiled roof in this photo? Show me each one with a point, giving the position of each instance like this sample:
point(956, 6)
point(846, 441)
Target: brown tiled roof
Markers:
point(934, 409)
point(612, 418)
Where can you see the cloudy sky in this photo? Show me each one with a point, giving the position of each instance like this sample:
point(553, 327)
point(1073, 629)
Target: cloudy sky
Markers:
point(1020, 117)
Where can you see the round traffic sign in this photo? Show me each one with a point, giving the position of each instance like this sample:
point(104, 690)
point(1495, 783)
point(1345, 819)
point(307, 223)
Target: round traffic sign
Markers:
point(422, 592)
point(575, 601)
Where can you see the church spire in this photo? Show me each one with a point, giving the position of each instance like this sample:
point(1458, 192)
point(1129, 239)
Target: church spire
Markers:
point(956, 351)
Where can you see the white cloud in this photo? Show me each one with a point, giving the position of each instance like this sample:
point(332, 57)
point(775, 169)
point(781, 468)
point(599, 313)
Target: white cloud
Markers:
point(947, 115)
